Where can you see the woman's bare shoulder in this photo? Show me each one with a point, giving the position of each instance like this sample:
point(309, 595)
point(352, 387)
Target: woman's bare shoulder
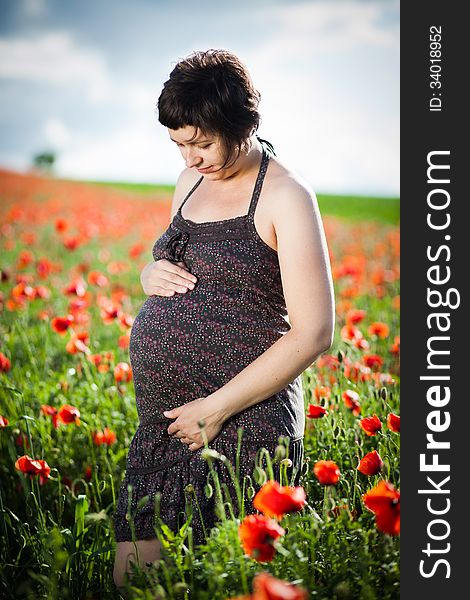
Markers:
point(294, 213)
point(186, 180)
point(287, 189)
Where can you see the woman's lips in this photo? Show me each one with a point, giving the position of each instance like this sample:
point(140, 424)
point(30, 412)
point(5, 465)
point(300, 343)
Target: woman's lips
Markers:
point(205, 170)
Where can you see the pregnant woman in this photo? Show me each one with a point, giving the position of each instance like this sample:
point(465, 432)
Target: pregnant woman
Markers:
point(240, 304)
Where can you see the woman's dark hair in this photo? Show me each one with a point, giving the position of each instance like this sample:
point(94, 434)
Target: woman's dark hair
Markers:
point(212, 91)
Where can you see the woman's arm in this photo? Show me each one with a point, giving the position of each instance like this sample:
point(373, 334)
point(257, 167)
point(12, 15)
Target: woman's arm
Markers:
point(308, 291)
point(162, 277)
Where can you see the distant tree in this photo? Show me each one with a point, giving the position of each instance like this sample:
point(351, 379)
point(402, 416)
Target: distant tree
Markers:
point(44, 161)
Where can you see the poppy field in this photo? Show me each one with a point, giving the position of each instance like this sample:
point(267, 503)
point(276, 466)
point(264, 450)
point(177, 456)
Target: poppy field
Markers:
point(71, 257)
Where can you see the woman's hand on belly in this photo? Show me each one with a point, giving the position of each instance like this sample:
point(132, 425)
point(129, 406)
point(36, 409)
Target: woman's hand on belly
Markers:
point(164, 278)
point(187, 418)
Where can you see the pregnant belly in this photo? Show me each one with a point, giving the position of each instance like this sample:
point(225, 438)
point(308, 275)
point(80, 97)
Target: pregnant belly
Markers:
point(187, 346)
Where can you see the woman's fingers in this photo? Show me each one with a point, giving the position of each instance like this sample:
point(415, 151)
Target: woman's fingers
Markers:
point(165, 278)
point(179, 276)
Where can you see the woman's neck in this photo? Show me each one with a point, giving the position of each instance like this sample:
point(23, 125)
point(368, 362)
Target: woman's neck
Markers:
point(245, 164)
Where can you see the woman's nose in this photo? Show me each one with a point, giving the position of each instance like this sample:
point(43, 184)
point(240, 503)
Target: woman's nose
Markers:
point(192, 159)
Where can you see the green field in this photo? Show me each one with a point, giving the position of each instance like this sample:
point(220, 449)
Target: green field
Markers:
point(70, 291)
point(355, 208)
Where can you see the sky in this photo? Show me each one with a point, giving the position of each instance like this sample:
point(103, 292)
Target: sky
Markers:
point(82, 78)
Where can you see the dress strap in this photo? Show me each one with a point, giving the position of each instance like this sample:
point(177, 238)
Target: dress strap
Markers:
point(267, 151)
point(190, 192)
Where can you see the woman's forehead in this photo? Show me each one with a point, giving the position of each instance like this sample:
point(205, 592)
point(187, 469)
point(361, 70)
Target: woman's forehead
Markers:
point(188, 135)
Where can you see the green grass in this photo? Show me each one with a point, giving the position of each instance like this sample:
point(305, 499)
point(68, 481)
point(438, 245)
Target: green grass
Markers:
point(352, 208)
point(361, 208)
point(138, 188)
point(57, 540)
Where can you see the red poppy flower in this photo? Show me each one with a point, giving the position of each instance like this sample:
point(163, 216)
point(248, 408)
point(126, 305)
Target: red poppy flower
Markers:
point(78, 343)
point(24, 259)
point(374, 361)
point(42, 292)
point(361, 343)
point(23, 292)
point(78, 305)
point(316, 411)
point(123, 341)
point(26, 464)
point(327, 472)
point(97, 278)
point(50, 411)
point(393, 422)
point(98, 438)
point(69, 414)
point(329, 361)
point(379, 329)
point(257, 534)
point(395, 349)
point(351, 333)
point(30, 466)
point(268, 587)
point(76, 288)
point(22, 441)
point(382, 379)
point(384, 501)
point(322, 391)
point(61, 225)
point(5, 363)
point(109, 312)
point(355, 316)
point(136, 250)
point(96, 359)
point(3, 421)
point(357, 371)
point(44, 267)
point(370, 464)
point(45, 471)
point(106, 437)
point(72, 243)
point(122, 372)
point(351, 400)
point(275, 501)
point(61, 324)
point(126, 320)
point(371, 425)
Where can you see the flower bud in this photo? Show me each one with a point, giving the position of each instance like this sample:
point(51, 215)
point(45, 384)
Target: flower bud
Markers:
point(280, 452)
point(259, 475)
point(209, 453)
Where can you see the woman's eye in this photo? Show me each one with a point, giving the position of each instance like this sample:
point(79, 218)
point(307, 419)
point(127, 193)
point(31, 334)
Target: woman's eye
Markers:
point(206, 146)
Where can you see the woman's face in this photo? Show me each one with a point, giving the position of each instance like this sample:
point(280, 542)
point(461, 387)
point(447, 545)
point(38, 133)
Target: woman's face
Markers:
point(202, 152)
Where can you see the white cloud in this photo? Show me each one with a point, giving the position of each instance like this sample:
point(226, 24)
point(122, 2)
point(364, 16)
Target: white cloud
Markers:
point(331, 123)
point(55, 58)
point(56, 133)
point(334, 130)
point(140, 97)
point(130, 154)
point(323, 27)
